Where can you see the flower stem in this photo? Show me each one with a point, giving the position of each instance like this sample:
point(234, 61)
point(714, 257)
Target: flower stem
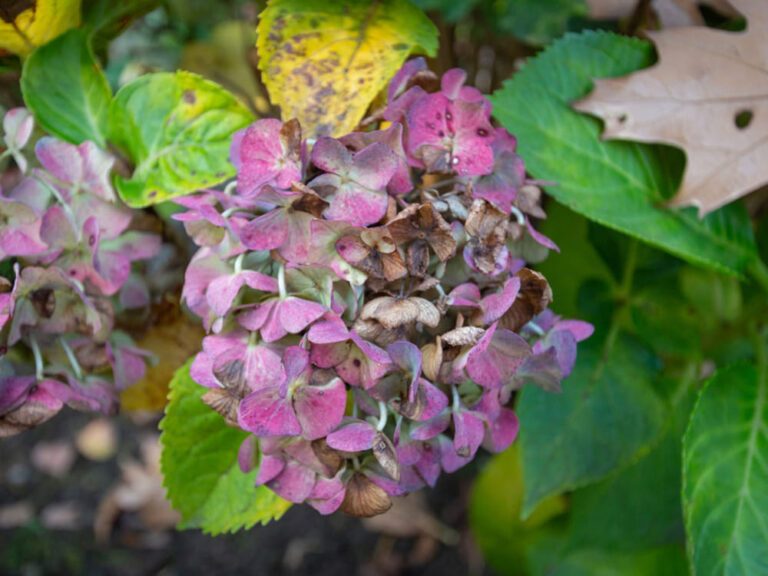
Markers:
point(38, 358)
point(72, 359)
point(382, 416)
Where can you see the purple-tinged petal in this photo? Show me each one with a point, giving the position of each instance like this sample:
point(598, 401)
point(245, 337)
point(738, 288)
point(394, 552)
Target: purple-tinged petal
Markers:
point(540, 238)
point(327, 495)
point(400, 80)
point(295, 362)
point(264, 160)
point(433, 400)
point(468, 434)
point(14, 391)
point(295, 314)
point(332, 156)
point(355, 437)
point(496, 358)
point(543, 370)
point(201, 371)
point(449, 459)
point(329, 355)
point(467, 294)
point(328, 331)
point(267, 231)
point(495, 305)
point(256, 317)
point(428, 466)
point(320, 408)
point(357, 205)
point(270, 468)
point(431, 428)
point(295, 483)
point(17, 125)
point(374, 166)
point(502, 431)
point(407, 357)
point(60, 158)
point(265, 413)
point(452, 81)
point(246, 453)
point(580, 330)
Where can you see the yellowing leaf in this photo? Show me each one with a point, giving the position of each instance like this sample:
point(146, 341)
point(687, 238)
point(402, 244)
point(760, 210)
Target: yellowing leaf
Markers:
point(324, 62)
point(173, 344)
point(707, 94)
point(26, 24)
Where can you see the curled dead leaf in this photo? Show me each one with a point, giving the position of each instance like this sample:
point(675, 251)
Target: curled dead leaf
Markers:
point(534, 297)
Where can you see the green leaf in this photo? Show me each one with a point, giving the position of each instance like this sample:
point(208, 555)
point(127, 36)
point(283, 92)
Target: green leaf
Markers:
point(66, 89)
point(725, 474)
point(451, 12)
point(535, 21)
point(618, 184)
point(107, 18)
point(641, 503)
point(662, 561)
point(607, 415)
point(566, 271)
point(494, 512)
point(176, 129)
point(199, 464)
point(325, 62)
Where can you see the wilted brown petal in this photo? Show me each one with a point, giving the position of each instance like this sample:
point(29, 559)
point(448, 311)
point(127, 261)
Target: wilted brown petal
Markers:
point(417, 258)
point(224, 402)
point(432, 358)
point(534, 297)
point(364, 499)
point(330, 458)
point(290, 137)
point(232, 375)
point(386, 454)
point(463, 336)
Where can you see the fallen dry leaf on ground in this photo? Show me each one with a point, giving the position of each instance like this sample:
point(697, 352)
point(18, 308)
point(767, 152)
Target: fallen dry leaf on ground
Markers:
point(707, 94)
point(140, 490)
point(55, 458)
point(97, 440)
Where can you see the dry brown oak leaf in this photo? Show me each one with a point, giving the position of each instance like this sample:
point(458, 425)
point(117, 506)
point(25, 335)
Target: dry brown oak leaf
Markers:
point(708, 94)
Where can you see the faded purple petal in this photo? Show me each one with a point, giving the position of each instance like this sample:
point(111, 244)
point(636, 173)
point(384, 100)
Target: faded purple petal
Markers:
point(355, 437)
point(496, 358)
point(265, 413)
point(320, 408)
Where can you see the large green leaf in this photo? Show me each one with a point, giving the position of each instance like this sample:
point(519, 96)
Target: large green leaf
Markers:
point(199, 464)
point(725, 475)
point(661, 561)
point(176, 129)
point(66, 89)
point(618, 184)
point(606, 416)
point(325, 62)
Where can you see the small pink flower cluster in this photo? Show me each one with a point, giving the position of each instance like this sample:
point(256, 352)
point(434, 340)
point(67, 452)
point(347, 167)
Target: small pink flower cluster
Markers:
point(369, 306)
point(66, 253)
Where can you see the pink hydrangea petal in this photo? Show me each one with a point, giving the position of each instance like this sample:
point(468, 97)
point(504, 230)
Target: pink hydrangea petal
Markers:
point(295, 362)
point(320, 408)
point(328, 331)
point(467, 294)
point(400, 79)
point(357, 205)
point(502, 431)
point(374, 166)
point(266, 232)
point(564, 344)
point(452, 81)
point(428, 466)
point(13, 392)
point(201, 371)
point(540, 238)
point(245, 454)
point(295, 483)
point(472, 152)
point(449, 459)
point(543, 370)
point(431, 428)
point(296, 314)
point(495, 305)
point(262, 160)
point(17, 125)
point(329, 355)
point(496, 358)
point(61, 159)
point(397, 110)
point(265, 413)
point(434, 400)
point(468, 434)
point(97, 164)
point(332, 156)
point(427, 123)
point(255, 318)
point(298, 241)
point(357, 436)
point(580, 330)
point(327, 495)
point(270, 468)
point(370, 350)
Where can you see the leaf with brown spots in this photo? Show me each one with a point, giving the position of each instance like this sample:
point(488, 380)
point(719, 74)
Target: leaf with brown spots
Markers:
point(324, 63)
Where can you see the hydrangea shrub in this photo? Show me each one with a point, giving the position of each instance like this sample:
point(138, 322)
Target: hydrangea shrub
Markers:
point(369, 308)
point(72, 265)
